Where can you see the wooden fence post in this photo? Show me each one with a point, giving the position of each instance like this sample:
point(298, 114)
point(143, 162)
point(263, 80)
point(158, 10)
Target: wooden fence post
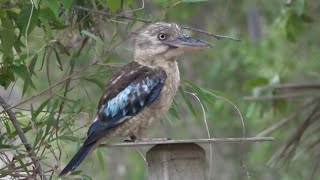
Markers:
point(176, 162)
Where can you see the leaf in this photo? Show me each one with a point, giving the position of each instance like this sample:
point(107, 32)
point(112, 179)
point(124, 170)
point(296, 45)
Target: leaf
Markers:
point(58, 58)
point(174, 110)
point(96, 38)
point(6, 76)
point(47, 16)
point(294, 27)
point(67, 4)
point(54, 7)
point(7, 37)
point(114, 5)
point(96, 81)
point(70, 138)
point(188, 102)
point(199, 92)
point(40, 108)
point(33, 64)
point(76, 172)
point(100, 158)
point(36, 3)
point(252, 83)
point(23, 19)
point(22, 72)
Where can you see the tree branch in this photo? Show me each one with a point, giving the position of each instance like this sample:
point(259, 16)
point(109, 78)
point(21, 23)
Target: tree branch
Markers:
point(23, 138)
point(201, 141)
point(149, 21)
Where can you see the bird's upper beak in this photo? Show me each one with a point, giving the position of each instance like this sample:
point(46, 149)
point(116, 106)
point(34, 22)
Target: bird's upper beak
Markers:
point(187, 43)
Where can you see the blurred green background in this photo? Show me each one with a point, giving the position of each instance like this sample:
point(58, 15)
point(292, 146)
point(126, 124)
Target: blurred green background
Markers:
point(56, 57)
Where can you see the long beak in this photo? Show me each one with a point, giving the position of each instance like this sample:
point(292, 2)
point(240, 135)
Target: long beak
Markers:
point(187, 43)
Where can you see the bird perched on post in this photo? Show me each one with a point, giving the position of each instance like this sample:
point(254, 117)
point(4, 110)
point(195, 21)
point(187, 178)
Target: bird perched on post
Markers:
point(142, 91)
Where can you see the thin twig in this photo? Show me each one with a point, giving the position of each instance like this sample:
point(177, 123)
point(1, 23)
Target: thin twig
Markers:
point(281, 96)
point(23, 138)
point(293, 86)
point(149, 21)
point(284, 120)
point(210, 34)
point(200, 141)
point(208, 131)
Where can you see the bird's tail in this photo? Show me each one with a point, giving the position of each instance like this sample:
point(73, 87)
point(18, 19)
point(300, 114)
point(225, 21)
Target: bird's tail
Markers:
point(77, 159)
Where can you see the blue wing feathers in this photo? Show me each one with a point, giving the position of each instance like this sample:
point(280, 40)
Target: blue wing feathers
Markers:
point(128, 102)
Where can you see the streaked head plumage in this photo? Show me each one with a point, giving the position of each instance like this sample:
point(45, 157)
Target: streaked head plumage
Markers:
point(165, 40)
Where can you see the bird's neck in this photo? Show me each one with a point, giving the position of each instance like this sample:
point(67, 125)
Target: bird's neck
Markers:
point(170, 66)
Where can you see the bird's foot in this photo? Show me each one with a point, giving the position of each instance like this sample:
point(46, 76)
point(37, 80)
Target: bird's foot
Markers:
point(131, 139)
point(145, 139)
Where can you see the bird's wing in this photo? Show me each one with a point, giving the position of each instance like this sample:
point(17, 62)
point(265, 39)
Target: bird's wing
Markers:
point(127, 93)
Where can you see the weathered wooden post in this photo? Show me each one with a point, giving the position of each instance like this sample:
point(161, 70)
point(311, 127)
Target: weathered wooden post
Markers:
point(176, 162)
point(180, 159)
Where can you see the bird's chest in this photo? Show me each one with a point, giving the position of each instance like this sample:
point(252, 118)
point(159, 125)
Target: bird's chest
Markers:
point(155, 111)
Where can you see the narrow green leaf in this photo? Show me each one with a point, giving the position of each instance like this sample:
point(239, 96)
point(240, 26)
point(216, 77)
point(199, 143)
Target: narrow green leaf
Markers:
point(62, 48)
point(7, 36)
point(23, 19)
point(47, 28)
point(114, 5)
point(199, 92)
point(54, 7)
point(252, 83)
point(96, 81)
point(40, 108)
point(36, 3)
point(6, 76)
point(96, 38)
point(38, 137)
point(100, 158)
point(75, 172)
point(67, 4)
point(58, 58)
point(6, 146)
point(188, 102)
point(22, 72)
point(69, 138)
point(174, 110)
point(33, 64)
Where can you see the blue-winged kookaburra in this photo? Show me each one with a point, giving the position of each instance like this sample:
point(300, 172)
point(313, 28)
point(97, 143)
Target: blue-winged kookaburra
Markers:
point(142, 91)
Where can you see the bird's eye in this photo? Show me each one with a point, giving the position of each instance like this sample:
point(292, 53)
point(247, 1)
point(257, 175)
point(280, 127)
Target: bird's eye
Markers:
point(162, 37)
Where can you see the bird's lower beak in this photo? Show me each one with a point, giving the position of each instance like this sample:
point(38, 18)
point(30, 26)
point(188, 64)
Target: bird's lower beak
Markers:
point(187, 43)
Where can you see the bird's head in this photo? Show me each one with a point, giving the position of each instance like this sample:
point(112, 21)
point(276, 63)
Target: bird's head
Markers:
point(164, 40)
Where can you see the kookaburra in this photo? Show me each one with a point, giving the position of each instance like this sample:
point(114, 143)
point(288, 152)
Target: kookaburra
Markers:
point(142, 91)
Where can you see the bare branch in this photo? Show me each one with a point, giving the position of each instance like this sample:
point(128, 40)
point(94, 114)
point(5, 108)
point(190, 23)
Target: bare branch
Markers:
point(200, 141)
point(281, 96)
point(149, 21)
point(23, 138)
point(294, 86)
point(210, 34)
point(285, 120)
